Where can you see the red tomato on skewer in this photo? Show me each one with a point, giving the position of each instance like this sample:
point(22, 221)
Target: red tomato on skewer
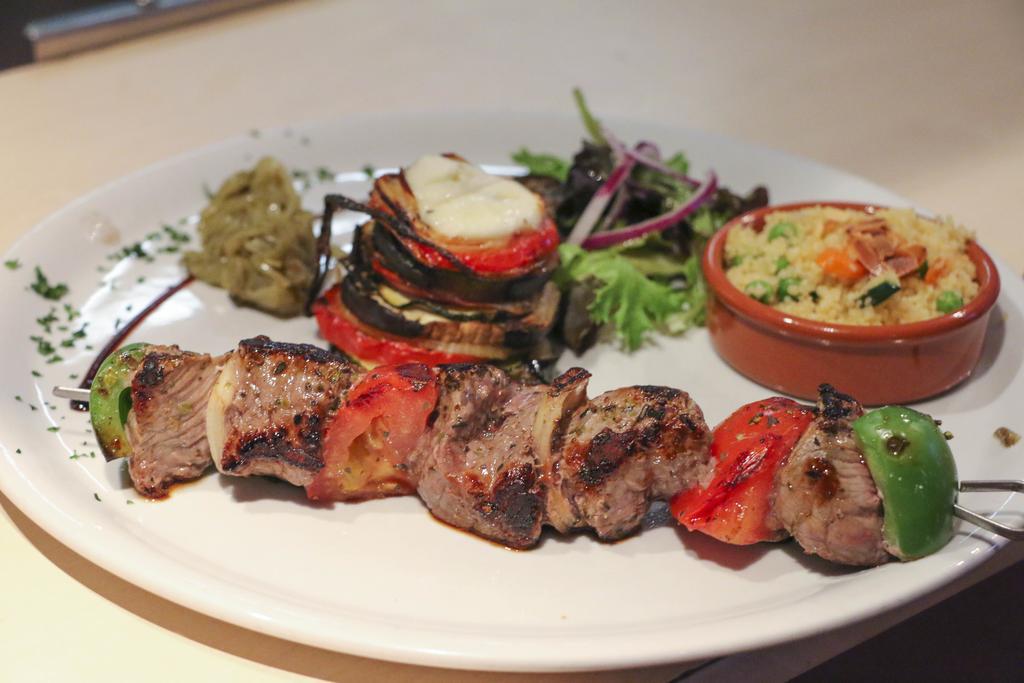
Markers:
point(748, 447)
point(367, 443)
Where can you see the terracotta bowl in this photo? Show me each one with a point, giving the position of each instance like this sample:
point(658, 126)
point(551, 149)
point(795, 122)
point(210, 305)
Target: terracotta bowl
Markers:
point(877, 364)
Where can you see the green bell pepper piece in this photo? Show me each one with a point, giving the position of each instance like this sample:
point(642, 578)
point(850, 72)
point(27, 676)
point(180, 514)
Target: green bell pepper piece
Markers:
point(915, 473)
point(110, 399)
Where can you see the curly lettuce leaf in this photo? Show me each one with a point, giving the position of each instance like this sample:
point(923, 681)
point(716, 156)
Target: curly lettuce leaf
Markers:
point(542, 164)
point(632, 302)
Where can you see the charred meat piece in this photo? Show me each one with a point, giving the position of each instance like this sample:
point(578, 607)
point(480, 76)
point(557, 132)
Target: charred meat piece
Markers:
point(824, 494)
point(167, 424)
point(624, 449)
point(477, 467)
point(270, 406)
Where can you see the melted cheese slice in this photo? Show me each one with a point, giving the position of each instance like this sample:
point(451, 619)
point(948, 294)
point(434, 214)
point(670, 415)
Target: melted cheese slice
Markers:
point(461, 201)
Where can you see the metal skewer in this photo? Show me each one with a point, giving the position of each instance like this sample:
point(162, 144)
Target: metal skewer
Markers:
point(72, 393)
point(1014, 533)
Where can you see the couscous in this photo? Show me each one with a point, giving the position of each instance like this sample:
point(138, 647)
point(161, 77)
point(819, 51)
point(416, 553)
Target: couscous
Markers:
point(851, 267)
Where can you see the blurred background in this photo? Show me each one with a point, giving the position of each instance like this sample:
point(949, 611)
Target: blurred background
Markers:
point(45, 29)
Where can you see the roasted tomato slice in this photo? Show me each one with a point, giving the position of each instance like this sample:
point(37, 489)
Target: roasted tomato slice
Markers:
point(521, 250)
point(338, 327)
point(747, 449)
point(367, 443)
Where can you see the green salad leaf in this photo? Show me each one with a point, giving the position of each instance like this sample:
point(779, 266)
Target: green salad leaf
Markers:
point(590, 122)
point(543, 164)
point(634, 303)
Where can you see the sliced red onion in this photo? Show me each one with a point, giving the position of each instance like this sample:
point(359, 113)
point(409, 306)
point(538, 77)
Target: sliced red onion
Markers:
point(597, 204)
point(648, 149)
point(657, 164)
point(666, 220)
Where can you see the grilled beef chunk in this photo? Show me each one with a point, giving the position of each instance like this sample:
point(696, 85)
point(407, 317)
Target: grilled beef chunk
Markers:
point(270, 407)
point(167, 424)
point(477, 467)
point(624, 449)
point(824, 494)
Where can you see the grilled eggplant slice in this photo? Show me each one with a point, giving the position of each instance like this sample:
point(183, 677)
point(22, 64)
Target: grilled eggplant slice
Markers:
point(382, 248)
point(374, 304)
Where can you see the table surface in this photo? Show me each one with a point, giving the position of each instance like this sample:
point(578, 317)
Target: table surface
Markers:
point(924, 98)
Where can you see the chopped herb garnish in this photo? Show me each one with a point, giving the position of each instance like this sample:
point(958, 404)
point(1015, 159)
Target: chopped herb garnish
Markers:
point(172, 249)
point(53, 359)
point(370, 171)
point(12, 264)
point(43, 347)
point(75, 336)
point(36, 373)
point(17, 398)
point(97, 497)
point(48, 320)
point(324, 174)
point(43, 288)
point(176, 235)
point(54, 429)
point(130, 502)
point(141, 280)
point(18, 451)
point(70, 312)
point(132, 250)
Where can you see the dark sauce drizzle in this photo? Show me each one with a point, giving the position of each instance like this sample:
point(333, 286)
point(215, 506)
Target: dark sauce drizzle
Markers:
point(118, 339)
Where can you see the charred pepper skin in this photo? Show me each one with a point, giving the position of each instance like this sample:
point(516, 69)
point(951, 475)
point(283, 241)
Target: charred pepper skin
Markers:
point(916, 476)
point(110, 399)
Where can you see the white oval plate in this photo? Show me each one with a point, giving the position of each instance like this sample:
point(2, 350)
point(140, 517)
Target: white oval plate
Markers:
point(383, 579)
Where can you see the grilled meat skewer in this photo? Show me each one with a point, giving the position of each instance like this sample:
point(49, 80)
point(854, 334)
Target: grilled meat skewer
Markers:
point(485, 453)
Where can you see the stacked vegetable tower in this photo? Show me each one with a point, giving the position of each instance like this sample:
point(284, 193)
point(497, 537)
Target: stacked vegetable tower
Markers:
point(455, 266)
